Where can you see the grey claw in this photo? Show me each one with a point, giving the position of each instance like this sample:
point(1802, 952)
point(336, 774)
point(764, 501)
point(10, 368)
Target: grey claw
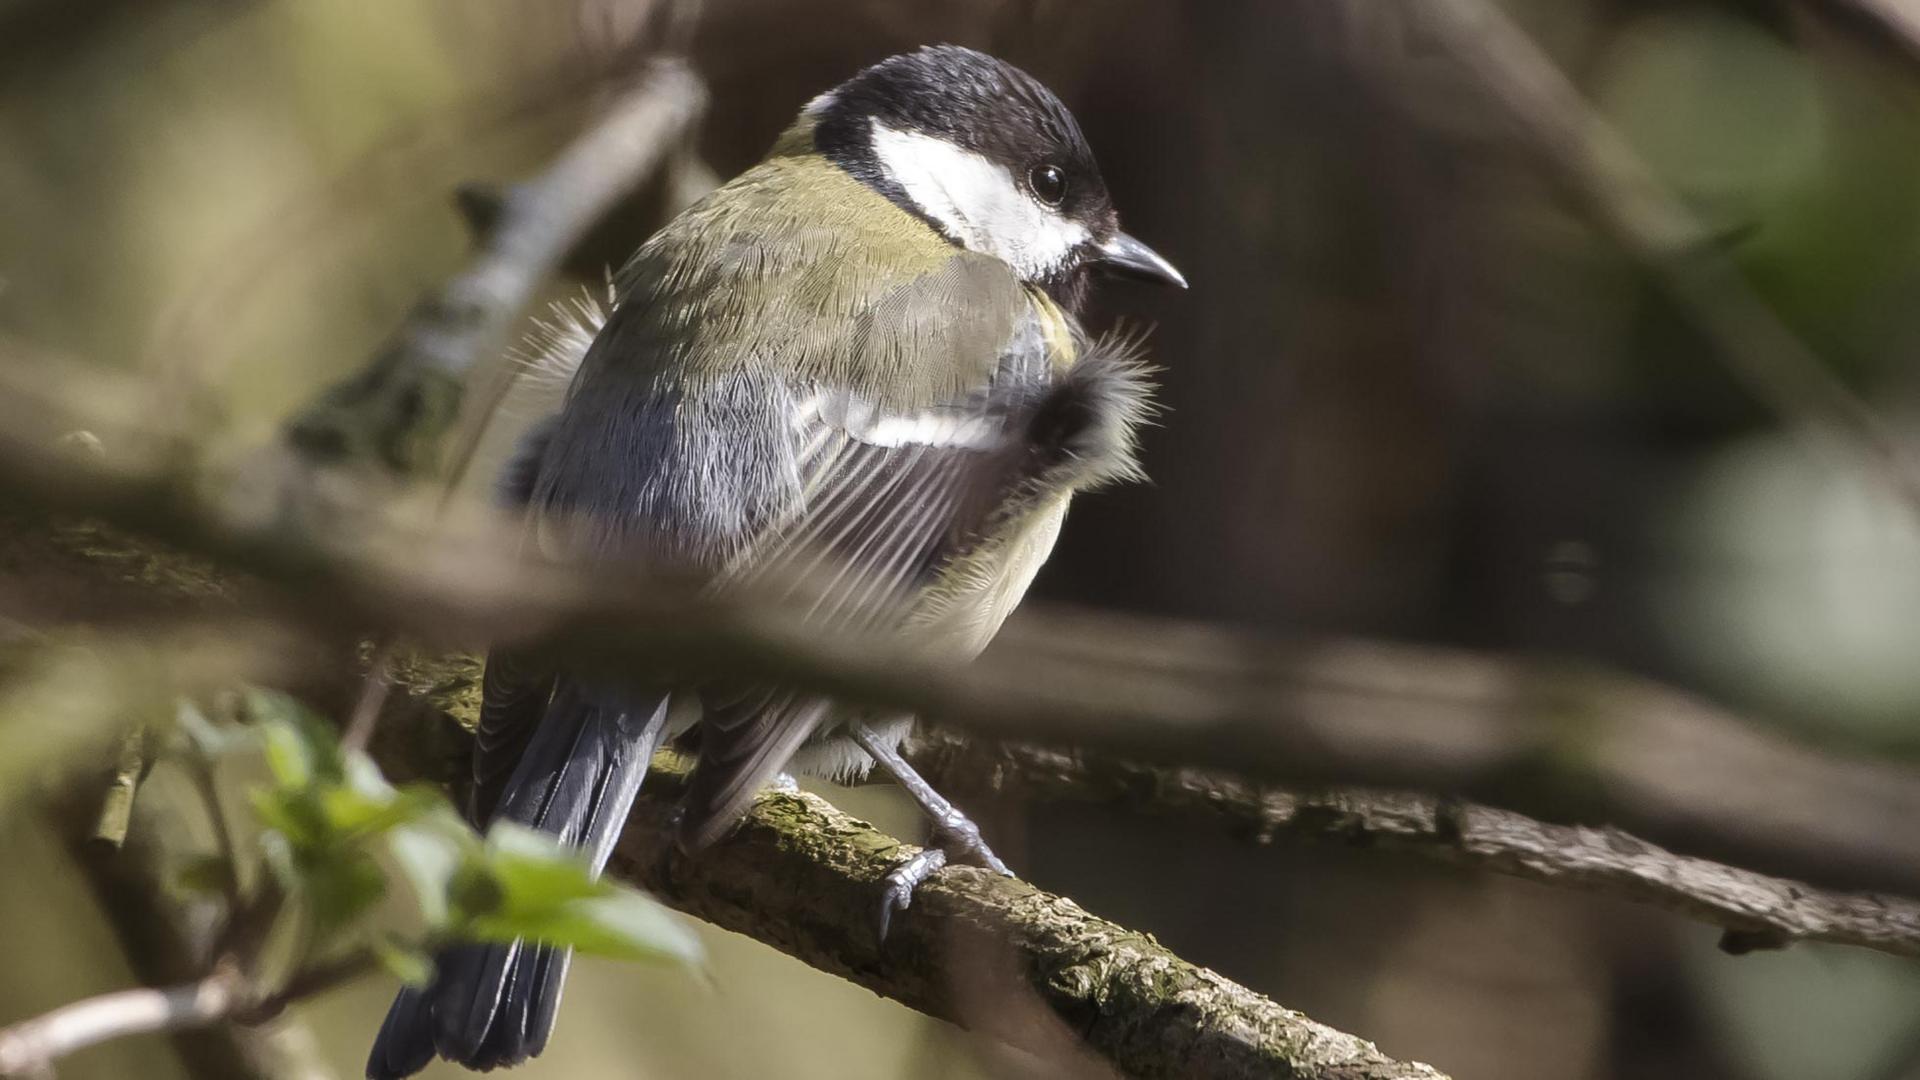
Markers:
point(901, 883)
point(954, 835)
point(891, 900)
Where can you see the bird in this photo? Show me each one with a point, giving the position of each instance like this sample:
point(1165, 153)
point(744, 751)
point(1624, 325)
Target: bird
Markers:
point(855, 375)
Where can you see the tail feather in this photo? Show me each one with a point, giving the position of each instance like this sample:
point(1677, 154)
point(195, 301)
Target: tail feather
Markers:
point(405, 1043)
point(494, 1005)
point(510, 995)
point(551, 974)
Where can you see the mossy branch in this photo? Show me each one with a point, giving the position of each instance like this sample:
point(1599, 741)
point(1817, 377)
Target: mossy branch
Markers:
point(989, 953)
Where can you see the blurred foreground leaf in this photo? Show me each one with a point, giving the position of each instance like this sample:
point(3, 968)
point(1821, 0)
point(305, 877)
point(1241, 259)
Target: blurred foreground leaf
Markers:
point(330, 812)
point(527, 886)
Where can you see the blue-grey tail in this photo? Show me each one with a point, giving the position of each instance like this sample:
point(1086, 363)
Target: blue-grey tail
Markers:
point(494, 1005)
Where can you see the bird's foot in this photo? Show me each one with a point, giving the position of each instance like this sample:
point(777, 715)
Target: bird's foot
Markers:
point(901, 883)
point(956, 839)
point(960, 838)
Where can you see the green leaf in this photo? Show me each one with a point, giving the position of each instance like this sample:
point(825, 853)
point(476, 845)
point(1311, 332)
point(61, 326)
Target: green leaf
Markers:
point(352, 815)
point(429, 856)
point(301, 748)
point(534, 872)
point(621, 923)
point(341, 888)
point(548, 893)
point(288, 756)
point(524, 884)
point(411, 965)
point(472, 894)
point(634, 926)
point(363, 777)
point(514, 840)
point(294, 815)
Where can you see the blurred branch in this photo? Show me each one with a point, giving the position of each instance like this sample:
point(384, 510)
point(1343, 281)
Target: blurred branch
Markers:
point(1659, 232)
point(805, 878)
point(801, 876)
point(130, 768)
point(166, 945)
point(396, 410)
point(1554, 742)
point(1895, 23)
point(1755, 910)
point(1388, 716)
point(29, 1048)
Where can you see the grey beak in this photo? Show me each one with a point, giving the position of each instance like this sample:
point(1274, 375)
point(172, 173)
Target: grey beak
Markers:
point(1125, 255)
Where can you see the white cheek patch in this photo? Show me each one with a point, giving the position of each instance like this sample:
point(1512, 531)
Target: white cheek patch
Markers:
point(976, 201)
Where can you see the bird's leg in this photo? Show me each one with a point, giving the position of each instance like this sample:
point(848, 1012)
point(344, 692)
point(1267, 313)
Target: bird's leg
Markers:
point(955, 835)
point(953, 831)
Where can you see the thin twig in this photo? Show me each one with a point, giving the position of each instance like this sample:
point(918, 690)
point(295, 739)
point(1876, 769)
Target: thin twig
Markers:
point(1754, 909)
point(30, 1047)
point(187, 328)
point(373, 697)
point(130, 769)
point(165, 942)
point(310, 981)
point(226, 849)
point(395, 410)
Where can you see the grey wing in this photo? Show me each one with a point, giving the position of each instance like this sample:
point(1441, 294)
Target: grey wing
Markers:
point(885, 499)
point(765, 473)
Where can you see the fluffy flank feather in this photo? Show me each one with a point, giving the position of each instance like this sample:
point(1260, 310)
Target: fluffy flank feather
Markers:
point(1090, 422)
point(559, 340)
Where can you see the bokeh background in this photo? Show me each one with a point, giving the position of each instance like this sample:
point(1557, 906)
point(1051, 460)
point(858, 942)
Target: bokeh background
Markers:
point(1412, 394)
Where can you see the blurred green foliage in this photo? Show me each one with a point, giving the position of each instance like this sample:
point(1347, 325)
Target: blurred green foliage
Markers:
point(328, 815)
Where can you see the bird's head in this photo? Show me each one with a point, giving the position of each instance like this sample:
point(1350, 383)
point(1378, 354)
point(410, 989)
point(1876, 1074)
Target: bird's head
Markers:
point(990, 158)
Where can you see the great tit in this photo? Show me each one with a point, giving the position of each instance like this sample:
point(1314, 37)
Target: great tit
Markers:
point(855, 370)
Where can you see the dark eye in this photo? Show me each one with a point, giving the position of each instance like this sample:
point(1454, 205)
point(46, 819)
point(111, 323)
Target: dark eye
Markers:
point(1049, 183)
